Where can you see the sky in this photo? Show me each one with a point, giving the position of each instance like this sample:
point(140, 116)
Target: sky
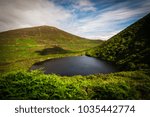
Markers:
point(92, 19)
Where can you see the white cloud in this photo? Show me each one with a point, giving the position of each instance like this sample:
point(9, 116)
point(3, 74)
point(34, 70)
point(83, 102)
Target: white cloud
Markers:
point(84, 5)
point(22, 13)
point(107, 23)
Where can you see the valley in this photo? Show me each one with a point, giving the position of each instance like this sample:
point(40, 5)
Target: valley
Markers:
point(129, 50)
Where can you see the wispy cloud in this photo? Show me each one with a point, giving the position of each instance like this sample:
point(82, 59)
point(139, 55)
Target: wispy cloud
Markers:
point(84, 5)
point(107, 22)
point(22, 13)
point(96, 19)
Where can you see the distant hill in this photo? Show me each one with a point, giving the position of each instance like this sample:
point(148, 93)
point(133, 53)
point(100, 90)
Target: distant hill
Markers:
point(29, 45)
point(44, 35)
point(129, 49)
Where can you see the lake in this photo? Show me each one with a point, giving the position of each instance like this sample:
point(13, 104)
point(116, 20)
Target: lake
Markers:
point(77, 65)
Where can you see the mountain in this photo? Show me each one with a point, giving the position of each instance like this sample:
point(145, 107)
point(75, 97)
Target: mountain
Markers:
point(129, 49)
point(21, 48)
point(43, 35)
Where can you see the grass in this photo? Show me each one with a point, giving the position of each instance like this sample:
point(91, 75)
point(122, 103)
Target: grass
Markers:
point(22, 57)
point(36, 85)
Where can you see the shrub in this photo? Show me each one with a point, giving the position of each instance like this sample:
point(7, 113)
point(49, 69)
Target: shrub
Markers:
point(36, 85)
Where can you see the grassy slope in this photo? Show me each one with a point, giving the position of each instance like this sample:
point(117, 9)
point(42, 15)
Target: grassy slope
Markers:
point(20, 48)
point(130, 49)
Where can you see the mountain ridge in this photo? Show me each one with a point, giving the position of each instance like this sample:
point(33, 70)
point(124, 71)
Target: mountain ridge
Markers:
point(46, 33)
point(40, 27)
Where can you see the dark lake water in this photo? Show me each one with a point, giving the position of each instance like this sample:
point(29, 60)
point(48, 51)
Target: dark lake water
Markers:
point(78, 65)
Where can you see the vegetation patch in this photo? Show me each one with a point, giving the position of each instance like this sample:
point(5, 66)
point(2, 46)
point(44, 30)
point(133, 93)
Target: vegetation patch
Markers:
point(54, 50)
point(36, 85)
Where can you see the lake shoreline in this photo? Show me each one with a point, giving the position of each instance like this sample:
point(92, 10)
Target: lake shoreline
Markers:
point(75, 65)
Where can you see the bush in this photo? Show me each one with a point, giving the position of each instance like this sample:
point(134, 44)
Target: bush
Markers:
point(36, 85)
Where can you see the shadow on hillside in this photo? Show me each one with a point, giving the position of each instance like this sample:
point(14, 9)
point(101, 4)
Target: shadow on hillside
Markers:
point(54, 50)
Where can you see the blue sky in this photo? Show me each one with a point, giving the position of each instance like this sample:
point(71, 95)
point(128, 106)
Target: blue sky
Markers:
point(93, 19)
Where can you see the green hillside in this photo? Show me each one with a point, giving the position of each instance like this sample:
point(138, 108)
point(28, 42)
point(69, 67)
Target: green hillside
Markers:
point(130, 49)
point(20, 48)
point(44, 36)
